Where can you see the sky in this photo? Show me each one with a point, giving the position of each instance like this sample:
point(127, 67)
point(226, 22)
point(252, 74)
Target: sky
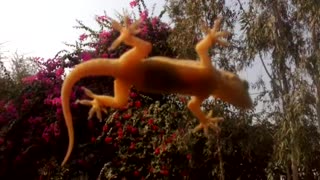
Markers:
point(39, 27)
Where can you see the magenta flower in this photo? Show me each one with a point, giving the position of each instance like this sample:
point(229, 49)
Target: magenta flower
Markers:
point(144, 15)
point(56, 129)
point(133, 3)
point(101, 19)
point(2, 119)
point(144, 30)
point(86, 56)
point(2, 103)
point(29, 79)
point(104, 34)
point(47, 101)
point(104, 55)
point(154, 21)
point(56, 101)
point(11, 108)
point(59, 113)
point(1, 140)
point(83, 37)
point(59, 72)
point(46, 134)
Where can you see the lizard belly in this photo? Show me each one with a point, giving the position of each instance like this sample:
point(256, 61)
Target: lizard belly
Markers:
point(159, 77)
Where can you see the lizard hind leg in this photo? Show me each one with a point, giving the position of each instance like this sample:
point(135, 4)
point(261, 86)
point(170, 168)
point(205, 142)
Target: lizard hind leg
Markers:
point(206, 122)
point(212, 123)
point(100, 102)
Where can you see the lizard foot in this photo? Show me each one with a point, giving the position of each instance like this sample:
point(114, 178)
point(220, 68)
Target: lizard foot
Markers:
point(96, 106)
point(209, 122)
point(126, 31)
point(215, 34)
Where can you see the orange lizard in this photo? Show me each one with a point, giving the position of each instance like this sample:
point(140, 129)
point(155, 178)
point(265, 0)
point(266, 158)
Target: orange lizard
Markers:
point(199, 79)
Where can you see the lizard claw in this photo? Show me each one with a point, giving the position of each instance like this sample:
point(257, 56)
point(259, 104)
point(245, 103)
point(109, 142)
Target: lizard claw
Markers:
point(211, 123)
point(88, 92)
point(126, 31)
point(215, 34)
point(96, 106)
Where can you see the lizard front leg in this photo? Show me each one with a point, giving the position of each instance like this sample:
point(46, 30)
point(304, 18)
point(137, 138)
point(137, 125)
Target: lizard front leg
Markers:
point(213, 36)
point(128, 32)
point(100, 102)
point(206, 122)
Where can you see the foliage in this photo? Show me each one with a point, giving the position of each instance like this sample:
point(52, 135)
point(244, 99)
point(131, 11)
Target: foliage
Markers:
point(11, 77)
point(276, 30)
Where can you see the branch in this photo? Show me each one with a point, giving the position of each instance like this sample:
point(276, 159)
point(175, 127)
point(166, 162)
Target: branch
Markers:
point(241, 7)
point(264, 66)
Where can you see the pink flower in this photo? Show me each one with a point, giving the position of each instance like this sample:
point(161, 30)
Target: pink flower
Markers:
point(144, 30)
point(56, 129)
point(2, 103)
point(26, 102)
point(136, 173)
point(90, 124)
point(56, 101)
point(129, 128)
point(133, 3)
point(93, 139)
point(157, 151)
point(35, 120)
point(164, 172)
point(154, 21)
point(150, 121)
point(104, 34)
point(86, 56)
point(132, 146)
point(26, 140)
point(144, 15)
point(134, 130)
point(47, 101)
point(137, 104)
point(1, 140)
point(108, 140)
point(105, 128)
point(83, 37)
point(101, 19)
point(59, 72)
point(118, 124)
point(104, 55)
point(116, 116)
point(2, 119)
point(154, 127)
point(29, 79)
point(46, 135)
point(126, 116)
point(133, 95)
point(11, 108)
point(189, 156)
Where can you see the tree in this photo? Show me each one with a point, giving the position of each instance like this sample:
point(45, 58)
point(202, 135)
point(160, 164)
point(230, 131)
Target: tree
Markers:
point(276, 30)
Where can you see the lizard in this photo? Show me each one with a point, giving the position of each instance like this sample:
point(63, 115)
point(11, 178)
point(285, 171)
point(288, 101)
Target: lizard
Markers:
point(198, 79)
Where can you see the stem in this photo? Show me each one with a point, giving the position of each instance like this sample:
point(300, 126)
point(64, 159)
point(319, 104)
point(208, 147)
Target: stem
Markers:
point(220, 159)
point(264, 66)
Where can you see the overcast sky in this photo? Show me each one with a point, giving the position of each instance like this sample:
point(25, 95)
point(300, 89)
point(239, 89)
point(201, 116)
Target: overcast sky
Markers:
point(39, 27)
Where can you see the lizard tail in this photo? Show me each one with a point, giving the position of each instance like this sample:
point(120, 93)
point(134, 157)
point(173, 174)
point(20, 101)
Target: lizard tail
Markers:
point(94, 67)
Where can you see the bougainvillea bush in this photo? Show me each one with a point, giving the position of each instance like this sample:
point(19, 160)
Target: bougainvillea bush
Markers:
point(33, 137)
point(150, 138)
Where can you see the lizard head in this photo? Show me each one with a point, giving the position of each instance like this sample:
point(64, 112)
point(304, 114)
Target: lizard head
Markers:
point(233, 90)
